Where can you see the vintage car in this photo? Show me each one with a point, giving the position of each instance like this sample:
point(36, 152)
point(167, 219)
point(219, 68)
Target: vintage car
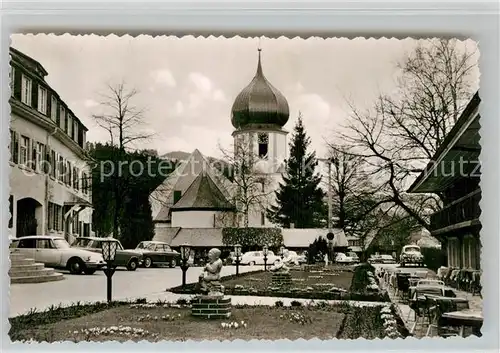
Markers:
point(57, 253)
point(257, 258)
point(411, 255)
point(129, 259)
point(155, 253)
point(342, 258)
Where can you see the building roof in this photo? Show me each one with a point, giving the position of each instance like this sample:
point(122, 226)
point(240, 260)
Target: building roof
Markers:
point(200, 237)
point(303, 237)
point(203, 194)
point(165, 234)
point(260, 103)
point(461, 144)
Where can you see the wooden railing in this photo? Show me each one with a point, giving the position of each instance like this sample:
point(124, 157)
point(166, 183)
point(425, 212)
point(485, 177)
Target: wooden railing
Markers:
point(462, 210)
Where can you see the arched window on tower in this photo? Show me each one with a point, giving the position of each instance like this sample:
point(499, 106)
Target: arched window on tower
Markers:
point(263, 140)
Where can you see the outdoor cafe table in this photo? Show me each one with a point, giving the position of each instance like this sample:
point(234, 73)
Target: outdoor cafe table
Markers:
point(446, 291)
point(463, 319)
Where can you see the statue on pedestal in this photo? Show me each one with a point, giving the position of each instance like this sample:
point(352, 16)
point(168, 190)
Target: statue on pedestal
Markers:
point(209, 280)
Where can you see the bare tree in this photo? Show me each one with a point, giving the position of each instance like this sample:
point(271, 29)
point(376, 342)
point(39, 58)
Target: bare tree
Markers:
point(122, 120)
point(120, 117)
point(403, 130)
point(250, 183)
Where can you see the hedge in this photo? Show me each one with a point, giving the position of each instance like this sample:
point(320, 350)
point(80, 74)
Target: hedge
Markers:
point(360, 277)
point(271, 237)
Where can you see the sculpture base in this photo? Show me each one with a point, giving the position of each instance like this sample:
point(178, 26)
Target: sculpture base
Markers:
point(280, 279)
point(211, 307)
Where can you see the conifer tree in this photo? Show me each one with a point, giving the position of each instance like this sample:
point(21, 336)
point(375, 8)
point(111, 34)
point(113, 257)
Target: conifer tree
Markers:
point(299, 199)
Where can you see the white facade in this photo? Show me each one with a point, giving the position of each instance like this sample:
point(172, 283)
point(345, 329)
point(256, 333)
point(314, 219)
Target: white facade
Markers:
point(271, 163)
point(49, 177)
point(200, 219)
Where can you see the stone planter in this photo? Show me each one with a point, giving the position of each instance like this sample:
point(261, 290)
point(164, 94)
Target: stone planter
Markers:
point(208, 307)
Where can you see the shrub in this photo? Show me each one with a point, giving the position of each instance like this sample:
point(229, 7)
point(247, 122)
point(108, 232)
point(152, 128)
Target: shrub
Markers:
point(318, 247)
point(250, 237)
point(295, 303)
point(278, 303)
point(360, 277)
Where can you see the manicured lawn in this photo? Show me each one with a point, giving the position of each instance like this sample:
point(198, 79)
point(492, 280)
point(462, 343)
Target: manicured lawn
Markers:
point(176, 324)
point(322, 280)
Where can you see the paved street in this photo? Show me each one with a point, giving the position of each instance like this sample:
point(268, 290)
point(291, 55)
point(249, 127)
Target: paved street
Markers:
point(139, 284)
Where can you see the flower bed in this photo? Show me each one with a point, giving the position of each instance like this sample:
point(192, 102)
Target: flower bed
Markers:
point(371, 323)
point(157, 322)
point(326, 284)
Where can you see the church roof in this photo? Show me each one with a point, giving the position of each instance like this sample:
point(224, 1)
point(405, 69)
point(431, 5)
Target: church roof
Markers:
point(203, 194)
point(260, 104)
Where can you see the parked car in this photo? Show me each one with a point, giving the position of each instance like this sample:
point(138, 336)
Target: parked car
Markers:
point(257, 258)
point(411, 255)
point(387, 259)
point(155, 253)
point(129, 259)
point(354, 256)
point(342, 258)
point(302, 258)
point(57, 253)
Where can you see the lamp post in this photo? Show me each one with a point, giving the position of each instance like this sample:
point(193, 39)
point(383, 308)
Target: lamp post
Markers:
point(108, 253)
point(265, 251)
point(282, 252)
point(237, 254)
point(185, 254)
point(330, 237)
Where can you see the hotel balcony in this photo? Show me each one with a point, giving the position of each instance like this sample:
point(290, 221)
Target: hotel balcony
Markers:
point(460, 213)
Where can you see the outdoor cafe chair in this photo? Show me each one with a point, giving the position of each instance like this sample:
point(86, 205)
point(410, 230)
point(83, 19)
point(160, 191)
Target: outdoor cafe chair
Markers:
point(430, 282)
point(424, 309)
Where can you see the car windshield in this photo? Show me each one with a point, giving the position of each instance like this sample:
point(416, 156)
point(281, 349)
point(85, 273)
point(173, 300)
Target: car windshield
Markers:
point(61, 244)
point(142, 246)
point(150, 247)
point(413, 249)
point(82, 243)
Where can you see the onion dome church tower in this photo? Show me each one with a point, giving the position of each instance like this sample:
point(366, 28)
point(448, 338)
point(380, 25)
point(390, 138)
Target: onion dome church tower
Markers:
point(258, 115)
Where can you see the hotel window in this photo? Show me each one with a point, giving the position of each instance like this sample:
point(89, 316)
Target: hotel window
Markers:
point(75, 130)
point(12, 74)
point(60, 168)
point(70, 126)
point(42, 100)
point(75, 178)
point(53, 164)
point(85, 183)
point(38, 152)
point(24, 151)
point(53, 109)
point(14, 147)
point(68, 174)
point(62, 117)
point(26, 90)
point(263, 141)
point(50, 216)
point(177, 196)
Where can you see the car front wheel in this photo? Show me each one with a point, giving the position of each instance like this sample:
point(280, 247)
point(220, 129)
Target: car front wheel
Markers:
point(132, 265)
point(75, 266)
point(251, 263)
point(172, 263)
point(148, 262)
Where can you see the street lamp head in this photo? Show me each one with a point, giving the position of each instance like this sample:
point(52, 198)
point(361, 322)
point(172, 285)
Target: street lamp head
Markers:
point(185, 251)
point(237, 250)
point(265, 250)
point(109, 247)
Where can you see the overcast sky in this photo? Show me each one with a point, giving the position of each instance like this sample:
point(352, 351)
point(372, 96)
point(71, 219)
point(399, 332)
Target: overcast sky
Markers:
point(188, 85)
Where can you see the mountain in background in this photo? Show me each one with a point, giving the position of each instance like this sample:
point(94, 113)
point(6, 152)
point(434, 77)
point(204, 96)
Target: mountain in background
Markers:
point(218, 164)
